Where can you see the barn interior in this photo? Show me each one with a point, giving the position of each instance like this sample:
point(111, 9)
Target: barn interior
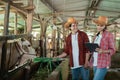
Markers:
point(42, 23)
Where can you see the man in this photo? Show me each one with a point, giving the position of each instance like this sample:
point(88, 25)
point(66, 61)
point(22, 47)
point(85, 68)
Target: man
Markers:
point(75, 48)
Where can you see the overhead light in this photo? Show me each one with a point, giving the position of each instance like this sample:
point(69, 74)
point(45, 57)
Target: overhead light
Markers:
point(92, 11)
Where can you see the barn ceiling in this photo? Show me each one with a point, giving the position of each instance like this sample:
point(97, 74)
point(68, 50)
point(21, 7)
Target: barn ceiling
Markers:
point(83, 10)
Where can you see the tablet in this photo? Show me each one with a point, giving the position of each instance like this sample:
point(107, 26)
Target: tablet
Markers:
point(92, 46)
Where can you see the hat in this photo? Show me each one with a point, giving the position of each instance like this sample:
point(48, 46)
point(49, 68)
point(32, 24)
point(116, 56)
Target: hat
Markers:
point(69, 22)
point(66, 25)
point(102, 20)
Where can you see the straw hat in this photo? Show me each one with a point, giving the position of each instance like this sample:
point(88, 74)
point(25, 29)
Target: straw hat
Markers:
point(66, 25)
point(69, 22)
point(102, 20)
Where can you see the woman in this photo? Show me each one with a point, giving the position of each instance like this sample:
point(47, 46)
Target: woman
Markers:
point(102, 57)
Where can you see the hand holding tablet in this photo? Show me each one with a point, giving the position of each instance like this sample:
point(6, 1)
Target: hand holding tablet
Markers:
point(92, 46)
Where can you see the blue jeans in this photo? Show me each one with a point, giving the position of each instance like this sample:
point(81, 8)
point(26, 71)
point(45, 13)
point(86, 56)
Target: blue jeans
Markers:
point(80, 72)
point(99, 73)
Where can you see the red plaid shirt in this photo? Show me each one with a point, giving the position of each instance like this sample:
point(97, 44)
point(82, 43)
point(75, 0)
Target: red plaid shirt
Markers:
point(82, 39)
point(107, 43)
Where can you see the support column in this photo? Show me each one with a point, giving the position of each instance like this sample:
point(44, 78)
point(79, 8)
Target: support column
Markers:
point(4, 46)
point(29, 20)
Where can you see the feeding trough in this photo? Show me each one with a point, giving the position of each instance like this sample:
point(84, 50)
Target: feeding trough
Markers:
point(51, 69)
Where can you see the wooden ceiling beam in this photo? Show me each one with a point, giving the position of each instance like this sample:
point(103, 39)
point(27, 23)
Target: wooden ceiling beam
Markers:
point(113, 20)
point(2, 6)
point(15, 7)
point(53, 9)
point(18, 1)
point(18, 4)
point(19, 9)
point(93, 3)
point(90, 4)
point(62, 12)
point(3, 11)
point(50, 6)
point(95, 8)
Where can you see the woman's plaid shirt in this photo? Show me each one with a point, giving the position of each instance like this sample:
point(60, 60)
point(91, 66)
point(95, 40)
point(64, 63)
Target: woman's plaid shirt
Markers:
point(107, 43)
